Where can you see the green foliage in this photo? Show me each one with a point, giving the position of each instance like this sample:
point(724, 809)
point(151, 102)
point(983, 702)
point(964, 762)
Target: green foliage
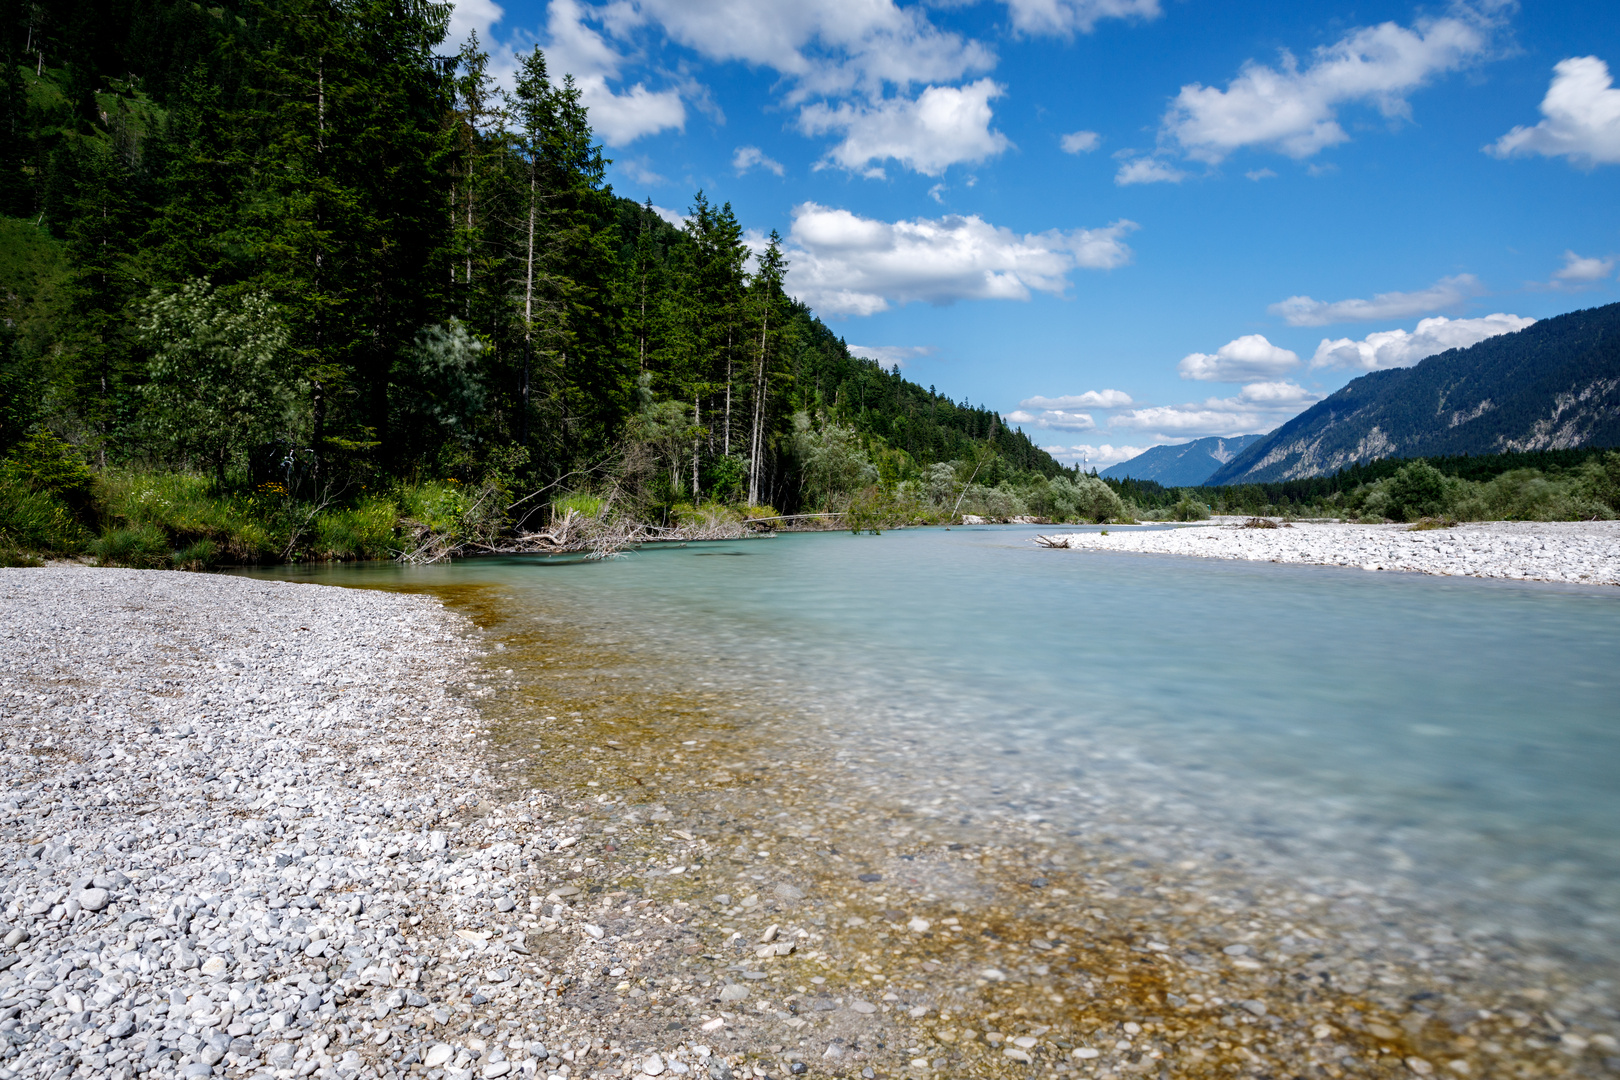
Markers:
point(142, 547)
point(831, 460)
point(186, 507)
point(44, 498)
point(34, 277)
point(218, 379)
point(44, 463)
point(581, 504)
point(1188, 508)
point(1526, 495)
point(367, 530)
point(37, 523)
point(871, 510)
point(726, 478)
point(1098, 502)
point(438, 389)
point(197, 555)
point(1418, 490)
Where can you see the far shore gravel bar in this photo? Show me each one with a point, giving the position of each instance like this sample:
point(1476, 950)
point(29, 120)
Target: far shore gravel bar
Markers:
point(1577, 552)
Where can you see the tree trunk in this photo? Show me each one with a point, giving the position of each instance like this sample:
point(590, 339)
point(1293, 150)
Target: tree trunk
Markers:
point(528, 306)
point(319, 436)
point(755, 439)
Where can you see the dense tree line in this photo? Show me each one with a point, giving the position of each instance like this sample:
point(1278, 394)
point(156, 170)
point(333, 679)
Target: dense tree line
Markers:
point(1548, 485)
point(309, 240)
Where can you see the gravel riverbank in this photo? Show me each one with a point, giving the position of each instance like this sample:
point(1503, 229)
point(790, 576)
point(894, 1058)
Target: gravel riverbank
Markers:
point(245, 830)
point(1580, 552)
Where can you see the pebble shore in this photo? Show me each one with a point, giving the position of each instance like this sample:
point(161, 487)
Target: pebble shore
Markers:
point(245, 830)
point(1578, 552)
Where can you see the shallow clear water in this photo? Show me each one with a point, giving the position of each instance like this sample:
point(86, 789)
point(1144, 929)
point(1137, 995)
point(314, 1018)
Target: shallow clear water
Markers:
point(1452, 741)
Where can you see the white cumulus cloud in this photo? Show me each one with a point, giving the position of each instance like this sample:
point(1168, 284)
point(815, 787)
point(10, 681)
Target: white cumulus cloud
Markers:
point(826, 47)
point(747, 157)
point(1294, 109)
point(1053, 419)
point(1258, 407)
point(1582, 118)
point(1148, 170)
point(470, 16)
point(891, 355)
point(1248, 357)
point(1446, 293)
point(574, 47)
point(1091, 399)
point(1095, 457)
point(674, 217)
point(1080, 142)
point(844, 264)
point(942, 126)
point(1398, 348)
point(1583, 270)
point(1065, 17)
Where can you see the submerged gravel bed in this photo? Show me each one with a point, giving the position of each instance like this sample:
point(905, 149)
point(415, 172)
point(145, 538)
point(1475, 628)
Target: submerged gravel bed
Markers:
point(1579, 552)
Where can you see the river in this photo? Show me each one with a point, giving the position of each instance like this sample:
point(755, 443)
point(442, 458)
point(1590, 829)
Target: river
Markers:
point(1411, 779)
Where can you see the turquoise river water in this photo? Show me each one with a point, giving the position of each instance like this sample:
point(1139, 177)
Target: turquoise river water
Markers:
point(1453, 744)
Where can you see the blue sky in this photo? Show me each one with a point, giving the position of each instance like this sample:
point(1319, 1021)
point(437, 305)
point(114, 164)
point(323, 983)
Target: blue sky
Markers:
point(1125, 222)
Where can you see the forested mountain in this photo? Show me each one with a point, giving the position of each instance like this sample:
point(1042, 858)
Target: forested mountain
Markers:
point(309, 240)
point(1554, 385)
point(1186, 465)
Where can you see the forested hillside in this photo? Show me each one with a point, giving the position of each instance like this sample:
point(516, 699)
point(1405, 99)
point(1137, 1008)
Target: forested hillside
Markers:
point(312, 245)
point(1552, 386)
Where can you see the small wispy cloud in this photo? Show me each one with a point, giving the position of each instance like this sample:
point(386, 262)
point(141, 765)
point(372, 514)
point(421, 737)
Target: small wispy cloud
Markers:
point(1080, 142)
point(891, 355)
point(751, 157)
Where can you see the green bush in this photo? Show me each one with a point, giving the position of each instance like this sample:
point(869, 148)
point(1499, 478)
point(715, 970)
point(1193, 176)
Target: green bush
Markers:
point(44, 463)
point(726, 478)
point(1189, 509)
point(44, 500)
point(143, 547)
point(38, 523)
point(1417, 490)
point(200, 555)
point(1599, 481)
point(366, 531)
point(1530, 495)
point(187, 507)
point(10, 556)
point(586, 506)
point(1098, 502)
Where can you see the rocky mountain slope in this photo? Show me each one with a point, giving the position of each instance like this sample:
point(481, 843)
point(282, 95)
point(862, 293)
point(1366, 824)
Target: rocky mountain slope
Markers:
point(1186, 465)
point(1553, 385)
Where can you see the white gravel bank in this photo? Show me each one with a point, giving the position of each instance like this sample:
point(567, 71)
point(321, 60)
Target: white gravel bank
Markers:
point(240, 835)
point(1583, 552)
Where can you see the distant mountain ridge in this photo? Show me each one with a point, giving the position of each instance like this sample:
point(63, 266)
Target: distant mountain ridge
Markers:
point(1554, 385)
point(1186, 465)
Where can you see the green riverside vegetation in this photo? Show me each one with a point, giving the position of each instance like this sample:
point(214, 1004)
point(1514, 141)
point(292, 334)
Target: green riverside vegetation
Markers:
point(1543, 485)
